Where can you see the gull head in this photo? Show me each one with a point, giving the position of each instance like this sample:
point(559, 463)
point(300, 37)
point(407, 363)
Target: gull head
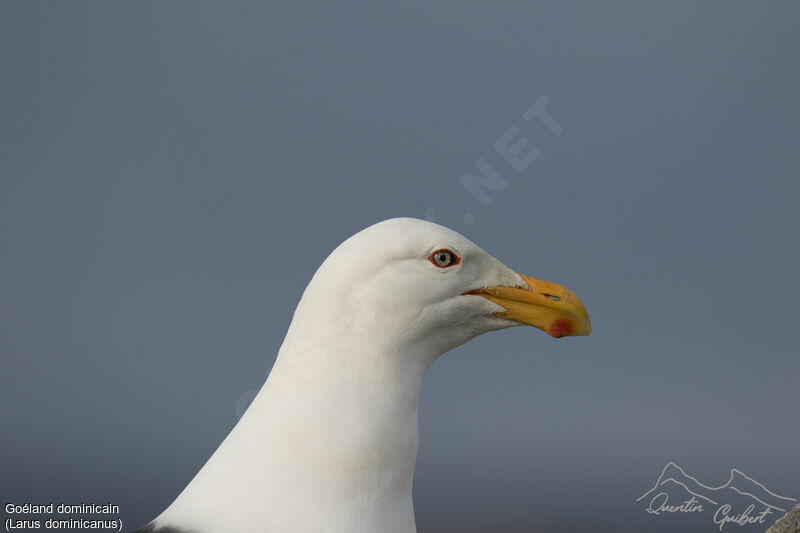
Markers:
point(406, 282)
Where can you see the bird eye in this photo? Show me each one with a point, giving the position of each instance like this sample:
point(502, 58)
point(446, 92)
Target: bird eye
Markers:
point(444, 258)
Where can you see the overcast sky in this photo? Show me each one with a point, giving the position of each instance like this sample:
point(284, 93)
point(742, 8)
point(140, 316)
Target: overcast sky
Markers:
point(172, 174)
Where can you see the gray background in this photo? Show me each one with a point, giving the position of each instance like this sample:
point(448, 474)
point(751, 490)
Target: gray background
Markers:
point(173, 174)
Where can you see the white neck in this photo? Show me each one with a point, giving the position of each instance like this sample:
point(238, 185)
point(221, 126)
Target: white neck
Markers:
point(329, 444)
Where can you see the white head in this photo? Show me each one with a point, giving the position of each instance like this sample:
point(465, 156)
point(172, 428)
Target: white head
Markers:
point(415, 284)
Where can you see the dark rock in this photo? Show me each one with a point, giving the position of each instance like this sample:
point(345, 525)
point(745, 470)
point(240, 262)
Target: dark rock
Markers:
point(790, 523)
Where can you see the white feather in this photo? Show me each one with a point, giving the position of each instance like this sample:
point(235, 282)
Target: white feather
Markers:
point(330, 442)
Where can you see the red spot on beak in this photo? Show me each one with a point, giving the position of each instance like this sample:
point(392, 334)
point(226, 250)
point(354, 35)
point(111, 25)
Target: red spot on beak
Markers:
point(560, 328)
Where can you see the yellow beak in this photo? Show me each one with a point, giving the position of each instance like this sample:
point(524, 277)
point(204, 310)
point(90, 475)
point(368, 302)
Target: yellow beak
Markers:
point(544, 305)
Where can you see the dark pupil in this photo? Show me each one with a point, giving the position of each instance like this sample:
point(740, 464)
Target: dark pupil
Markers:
point(442, 258)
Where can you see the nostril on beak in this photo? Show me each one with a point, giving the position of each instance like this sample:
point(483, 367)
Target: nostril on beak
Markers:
point(553, 297)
